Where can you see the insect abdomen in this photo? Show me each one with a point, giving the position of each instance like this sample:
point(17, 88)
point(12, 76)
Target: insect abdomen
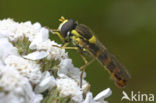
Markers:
point(113, 68)
point(111, 65)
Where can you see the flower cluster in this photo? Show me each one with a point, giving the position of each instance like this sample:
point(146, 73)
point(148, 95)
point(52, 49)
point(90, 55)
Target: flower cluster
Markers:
point(33, 68)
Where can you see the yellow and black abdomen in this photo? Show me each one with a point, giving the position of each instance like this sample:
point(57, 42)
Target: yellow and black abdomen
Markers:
point(115, 68)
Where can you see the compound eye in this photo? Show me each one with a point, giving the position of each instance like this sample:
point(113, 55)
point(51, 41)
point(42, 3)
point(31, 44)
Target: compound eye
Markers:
point(67, 26)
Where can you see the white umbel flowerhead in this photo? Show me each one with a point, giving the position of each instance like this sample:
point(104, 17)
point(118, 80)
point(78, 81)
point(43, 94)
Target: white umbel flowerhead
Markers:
point(32, 66)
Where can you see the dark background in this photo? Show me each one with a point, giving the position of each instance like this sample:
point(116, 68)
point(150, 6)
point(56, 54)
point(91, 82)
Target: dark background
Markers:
point(126, 27)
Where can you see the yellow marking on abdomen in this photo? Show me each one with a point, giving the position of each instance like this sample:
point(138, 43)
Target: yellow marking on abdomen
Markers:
point(92, 39)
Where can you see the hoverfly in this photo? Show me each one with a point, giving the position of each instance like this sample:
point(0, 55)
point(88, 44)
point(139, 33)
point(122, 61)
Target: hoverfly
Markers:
point(85, 41)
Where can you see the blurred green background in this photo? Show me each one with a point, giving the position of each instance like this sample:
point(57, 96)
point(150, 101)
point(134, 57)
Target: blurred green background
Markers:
point(126, 27)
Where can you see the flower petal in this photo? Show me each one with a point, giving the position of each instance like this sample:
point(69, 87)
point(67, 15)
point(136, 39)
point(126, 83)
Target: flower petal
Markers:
point(102, 95)
point(37, 55)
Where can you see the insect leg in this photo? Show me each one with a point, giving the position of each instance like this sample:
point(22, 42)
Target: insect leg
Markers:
point(85, 65)
point(56, 32)
point(84, 58)
point(64, 47)
point(83, 69)
point(74, 48)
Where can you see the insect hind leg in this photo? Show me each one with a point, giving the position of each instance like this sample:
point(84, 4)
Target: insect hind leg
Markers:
point(83, 68)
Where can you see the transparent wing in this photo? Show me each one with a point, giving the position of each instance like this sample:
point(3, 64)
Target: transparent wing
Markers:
point(117, 62)
point(107, 59)
point(84, 31)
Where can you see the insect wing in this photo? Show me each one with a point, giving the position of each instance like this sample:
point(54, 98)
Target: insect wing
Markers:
point(84, 31)
point(112, 64)
point(107, 59)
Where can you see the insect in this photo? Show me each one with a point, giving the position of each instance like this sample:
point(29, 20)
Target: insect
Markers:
point(84, 40)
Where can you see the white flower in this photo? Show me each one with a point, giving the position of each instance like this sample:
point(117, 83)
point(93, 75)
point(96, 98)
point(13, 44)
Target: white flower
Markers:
point(68, 87)
point(26, 68)
point(6, 49)
point(15, 88)
point(8, 28)
point(14, 30)
point(67, 69)
point(50, 47)
point(47, 82)
point(41, 36)
point(99, 98)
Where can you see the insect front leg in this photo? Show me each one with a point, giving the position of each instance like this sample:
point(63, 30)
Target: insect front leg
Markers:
point(66, 47)
point(55, 32)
